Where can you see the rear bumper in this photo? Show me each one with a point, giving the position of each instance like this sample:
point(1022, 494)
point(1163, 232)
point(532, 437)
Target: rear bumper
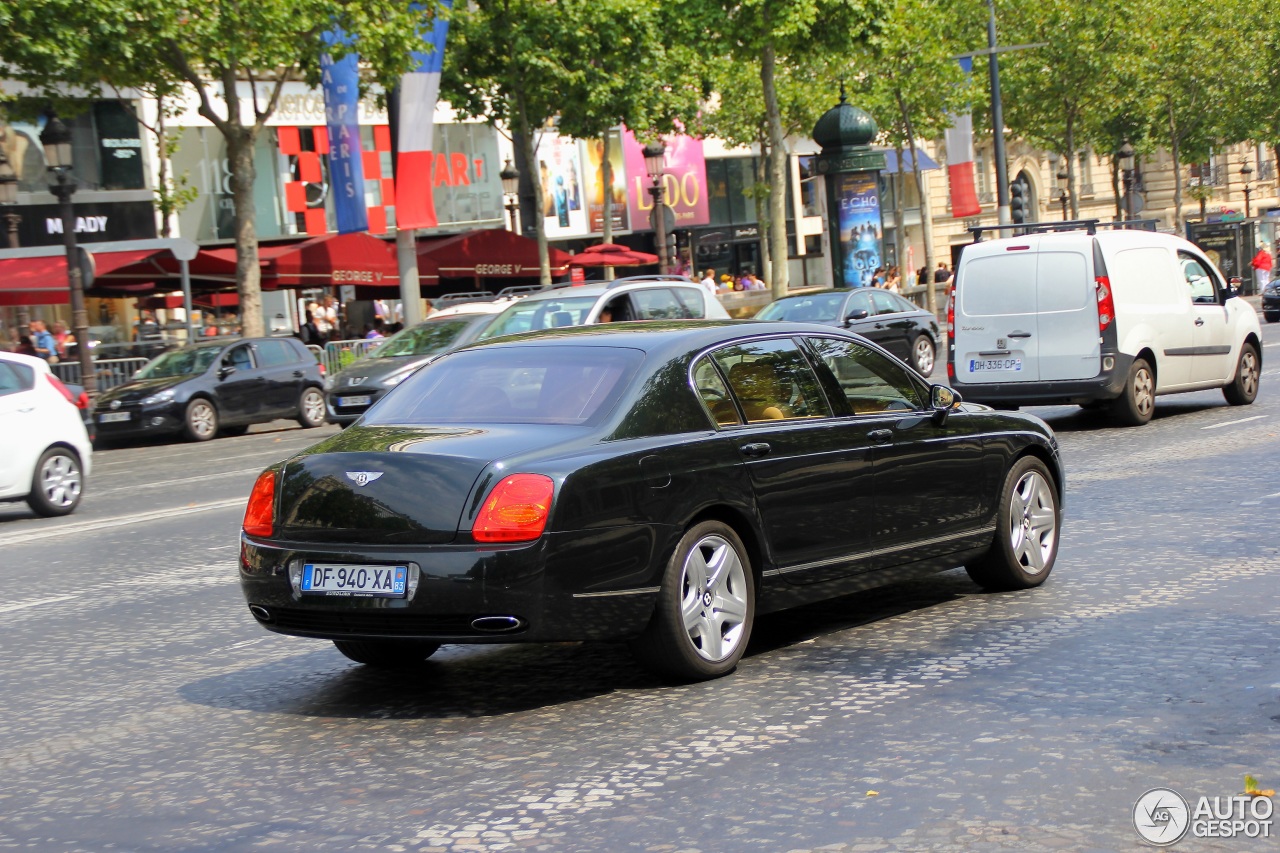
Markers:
point(1105, 386)
point(586, 585)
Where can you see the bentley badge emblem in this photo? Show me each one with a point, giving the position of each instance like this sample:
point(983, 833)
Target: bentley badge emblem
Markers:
point(363, 478)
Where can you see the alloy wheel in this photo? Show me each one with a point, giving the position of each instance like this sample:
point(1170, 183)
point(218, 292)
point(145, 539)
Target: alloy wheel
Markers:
point(923, 353)
point(313, 406)
point(60, 480)
point(713, 600)
point(1033, 522)
point(202, 419)
point(1249, 373)
point(1144, 397)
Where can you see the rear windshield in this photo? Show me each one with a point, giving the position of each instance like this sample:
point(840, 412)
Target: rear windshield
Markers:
point(818, 308)
point(424, 339)
point(512, 385)
point(534, 315)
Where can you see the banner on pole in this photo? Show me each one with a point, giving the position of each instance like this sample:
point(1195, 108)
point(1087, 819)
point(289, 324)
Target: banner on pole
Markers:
point(417, 93)
point(340, 82)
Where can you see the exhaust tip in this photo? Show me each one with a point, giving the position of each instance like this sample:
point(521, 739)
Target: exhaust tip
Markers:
point(260, 613)
point(497, 624)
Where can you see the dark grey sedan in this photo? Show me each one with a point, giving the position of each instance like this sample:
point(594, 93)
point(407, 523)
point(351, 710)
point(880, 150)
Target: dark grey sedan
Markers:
point(352, 390)
point(894, 323)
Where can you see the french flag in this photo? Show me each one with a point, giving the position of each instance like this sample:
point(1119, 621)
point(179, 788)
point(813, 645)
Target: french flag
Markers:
point(418, 92)
point(964, 194)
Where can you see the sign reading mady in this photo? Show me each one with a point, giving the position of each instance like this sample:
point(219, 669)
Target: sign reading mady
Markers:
point(84, 224)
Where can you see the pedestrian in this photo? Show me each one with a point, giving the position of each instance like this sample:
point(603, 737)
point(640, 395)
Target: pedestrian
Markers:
point(893, 280)
point(1261, 264)
point(308, 333)
point(941, 275)
point(709, 282)
point(754, 282)
point(26, 347)
point(43, 343)
point(60, 337)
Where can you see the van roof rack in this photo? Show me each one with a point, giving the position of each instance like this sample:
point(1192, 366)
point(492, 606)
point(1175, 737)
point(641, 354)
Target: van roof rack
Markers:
point(464, 296)
point(681, 278)
point(1091, 226)
point(520, 290)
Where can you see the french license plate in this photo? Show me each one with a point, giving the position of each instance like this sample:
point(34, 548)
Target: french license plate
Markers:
point(364, 581)
point(113, 417)
point(978, 365)
point(362, 400)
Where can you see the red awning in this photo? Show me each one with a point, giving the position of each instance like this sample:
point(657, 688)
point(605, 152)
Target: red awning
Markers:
point(43, 281)
point(337, 259)
point(489, 253)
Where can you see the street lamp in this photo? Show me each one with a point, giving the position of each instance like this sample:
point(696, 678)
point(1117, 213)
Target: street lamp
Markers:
point(1062, 189)
point(8, 198)
point(655, 164)
point(1246, 172)
point(56, 139)
point(510, 176)
point(1126, 167)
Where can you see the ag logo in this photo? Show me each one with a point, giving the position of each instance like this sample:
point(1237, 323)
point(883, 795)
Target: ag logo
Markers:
point(362, 478)
point(1161, 816)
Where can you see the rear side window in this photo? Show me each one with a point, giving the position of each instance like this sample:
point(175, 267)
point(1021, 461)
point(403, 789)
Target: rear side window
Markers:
point(512, 385)
point(1000, 284)
point(659, 304)
point(1063, 282)
point(715, 394)
point(772, 381)
point(15, 378)
point(275, 353)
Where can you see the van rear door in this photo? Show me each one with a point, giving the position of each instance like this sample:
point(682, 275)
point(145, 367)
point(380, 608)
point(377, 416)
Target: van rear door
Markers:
point(1067, 316)
point(995, 318)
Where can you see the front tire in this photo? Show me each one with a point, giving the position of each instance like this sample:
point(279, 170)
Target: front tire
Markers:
point(200, 423)
point(705, 609)
point(1026, 541)
point(311, 408)
point(1244, 387)
point(923, 354)
point(57, 483)
point(387, 654)
point(1136, 405)
point(1272, 318)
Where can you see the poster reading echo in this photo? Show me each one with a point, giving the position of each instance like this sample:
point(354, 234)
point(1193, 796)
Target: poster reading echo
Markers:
point(861, 229)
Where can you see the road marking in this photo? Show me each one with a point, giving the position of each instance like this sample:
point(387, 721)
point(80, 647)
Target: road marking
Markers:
point(49, 531)
point(9, 608)
point(162, 483)
point(1230, 423)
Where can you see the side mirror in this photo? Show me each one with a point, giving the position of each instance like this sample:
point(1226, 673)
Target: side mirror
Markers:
point(856, 314)
point(942, 400)
point(225, 371)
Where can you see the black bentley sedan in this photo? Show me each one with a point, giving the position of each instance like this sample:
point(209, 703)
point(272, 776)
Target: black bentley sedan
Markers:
point(662, 483)
point(886, 318)
point(220, 386)
point(352, 390)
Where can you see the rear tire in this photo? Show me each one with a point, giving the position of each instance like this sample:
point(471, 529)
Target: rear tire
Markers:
point(923, 355)
point(705, 610)
point(1244, 387)
point(311, 408)
point(201, 420)
point(57, 483)
point(387, 654)
point(1136, 405)
point(1272, 318)
point(1026, 540)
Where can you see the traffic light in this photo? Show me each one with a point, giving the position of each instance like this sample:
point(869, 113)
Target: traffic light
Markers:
point(1018, 202)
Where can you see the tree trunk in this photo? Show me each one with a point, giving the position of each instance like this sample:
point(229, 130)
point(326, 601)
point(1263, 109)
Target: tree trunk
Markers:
point(165, 191)
point(899, 213)
point(777, 176)
point(606, 178)
point(1115, 188)
point(248, 274)
point(535, 179)
point(1070, 153)
point(926, 216)
point(762, 208)
point(1177, 173)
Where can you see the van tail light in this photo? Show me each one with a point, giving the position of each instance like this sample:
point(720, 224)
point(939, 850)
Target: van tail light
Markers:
point(1106, 305)
point(62, 389)
point(259, 515)
point(951, 334)
point(516, 509)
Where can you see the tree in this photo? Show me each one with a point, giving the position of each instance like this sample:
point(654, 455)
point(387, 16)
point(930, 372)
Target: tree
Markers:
point(140, 43)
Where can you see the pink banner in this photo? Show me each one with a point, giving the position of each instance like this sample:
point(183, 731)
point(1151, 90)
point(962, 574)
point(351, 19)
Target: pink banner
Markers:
point(684, 182)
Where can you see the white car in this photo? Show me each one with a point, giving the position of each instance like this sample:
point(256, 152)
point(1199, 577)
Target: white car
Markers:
point(47, 453)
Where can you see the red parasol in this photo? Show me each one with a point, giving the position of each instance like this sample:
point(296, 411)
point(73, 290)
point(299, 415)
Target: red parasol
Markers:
point(611, 255)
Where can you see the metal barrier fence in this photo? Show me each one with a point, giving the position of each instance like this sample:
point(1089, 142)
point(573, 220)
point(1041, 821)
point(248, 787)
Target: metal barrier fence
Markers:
point(339, 354)
point(110, 371)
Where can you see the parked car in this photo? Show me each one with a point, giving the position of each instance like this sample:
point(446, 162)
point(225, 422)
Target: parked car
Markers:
point(909, 332)
point(224, 385)
point(1113, 318)
point(47, 455)
point(661, 483)
point(1271, 302)
point(632, 298)
point(351, 391)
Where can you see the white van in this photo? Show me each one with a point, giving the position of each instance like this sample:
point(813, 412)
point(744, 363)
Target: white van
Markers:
point(1113, 318)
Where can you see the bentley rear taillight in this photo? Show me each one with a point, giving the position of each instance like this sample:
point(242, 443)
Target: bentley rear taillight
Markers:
point(259, 515)
point(516, 510)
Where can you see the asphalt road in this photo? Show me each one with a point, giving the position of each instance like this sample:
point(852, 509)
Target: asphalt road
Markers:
point(144, 710)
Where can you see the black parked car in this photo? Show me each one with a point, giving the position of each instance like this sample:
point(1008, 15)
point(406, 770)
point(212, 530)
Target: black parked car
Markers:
point(1271, 302)
point(220, 386)
point(894, 323)
point(657, 482)
point(352, 390)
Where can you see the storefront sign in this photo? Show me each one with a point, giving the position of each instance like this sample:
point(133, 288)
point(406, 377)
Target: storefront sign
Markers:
point(95, 222)
point(684, 182)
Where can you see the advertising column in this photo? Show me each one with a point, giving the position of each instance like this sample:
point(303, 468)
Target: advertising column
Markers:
point(851, 170)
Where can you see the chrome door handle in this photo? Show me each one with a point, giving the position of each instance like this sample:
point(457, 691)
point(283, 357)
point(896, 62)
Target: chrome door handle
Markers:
point(1019, 334)
point(756, 450)
point(1199, 321)
point(881, 436)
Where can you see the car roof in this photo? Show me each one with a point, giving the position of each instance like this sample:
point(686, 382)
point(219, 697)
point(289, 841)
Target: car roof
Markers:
point(492, 306)
point(1078, 238)
point(603, 287)
point(32, 361)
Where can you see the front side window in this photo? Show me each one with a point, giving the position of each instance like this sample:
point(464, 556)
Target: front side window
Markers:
point(424, 339)
point(772, 380)
point(1200, 281)
point(180, 362)
point(813, 308)
point(533, 315)
point(860, 301)
point(871, 382)
point(884, 302)
point(239, 357)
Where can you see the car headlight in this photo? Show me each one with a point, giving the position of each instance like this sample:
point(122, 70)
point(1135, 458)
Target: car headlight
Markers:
point(396, 378)
point(159, 397)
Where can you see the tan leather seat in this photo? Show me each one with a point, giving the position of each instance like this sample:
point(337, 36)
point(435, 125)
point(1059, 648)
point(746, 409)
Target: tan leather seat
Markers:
point(760, 390)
